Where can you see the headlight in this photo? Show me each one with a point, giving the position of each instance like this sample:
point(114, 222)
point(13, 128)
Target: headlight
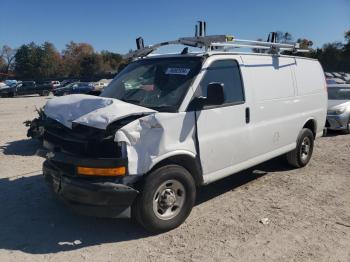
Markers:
point(339, 111)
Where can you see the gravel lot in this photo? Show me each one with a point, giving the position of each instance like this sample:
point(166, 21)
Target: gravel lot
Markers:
point(308, 210)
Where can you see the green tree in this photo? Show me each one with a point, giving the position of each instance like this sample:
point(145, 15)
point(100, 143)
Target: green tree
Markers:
point(345, 63)
point(26, 57)
point(90, 65)
point(111, 61)
point(73, 56)
point(330, 56)
point(50, 61)
point(38, 62)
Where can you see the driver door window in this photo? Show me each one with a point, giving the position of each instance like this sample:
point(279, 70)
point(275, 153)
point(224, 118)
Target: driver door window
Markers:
point(225, 72)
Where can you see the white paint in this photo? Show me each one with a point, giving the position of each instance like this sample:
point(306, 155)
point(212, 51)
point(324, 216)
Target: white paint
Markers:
point(153, 138)
point(89, 110)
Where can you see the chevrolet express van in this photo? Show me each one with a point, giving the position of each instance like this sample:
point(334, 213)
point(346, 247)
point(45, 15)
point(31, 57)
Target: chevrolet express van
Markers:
point(168, 124)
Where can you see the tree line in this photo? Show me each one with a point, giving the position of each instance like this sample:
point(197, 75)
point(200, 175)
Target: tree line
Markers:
point(43, 62)
point(80, 60)
point(334, 57)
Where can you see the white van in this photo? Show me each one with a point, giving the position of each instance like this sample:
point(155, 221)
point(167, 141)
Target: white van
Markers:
point(168, 124)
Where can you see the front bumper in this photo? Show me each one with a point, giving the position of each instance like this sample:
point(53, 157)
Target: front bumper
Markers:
point(100, 197)
point(337, 122)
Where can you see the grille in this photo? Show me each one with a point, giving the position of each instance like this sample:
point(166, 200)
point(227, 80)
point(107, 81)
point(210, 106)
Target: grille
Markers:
point(81, 140)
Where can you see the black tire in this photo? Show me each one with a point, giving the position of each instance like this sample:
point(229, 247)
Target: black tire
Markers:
point(301, 155)
point(325, 131)
point(144, 207)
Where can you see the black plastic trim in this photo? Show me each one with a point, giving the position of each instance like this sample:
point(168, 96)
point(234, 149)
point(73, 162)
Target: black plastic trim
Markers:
point(88, 162)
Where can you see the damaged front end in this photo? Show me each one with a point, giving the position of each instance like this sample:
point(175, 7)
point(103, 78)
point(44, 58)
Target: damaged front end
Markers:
point(86, 167)
point(70, 153)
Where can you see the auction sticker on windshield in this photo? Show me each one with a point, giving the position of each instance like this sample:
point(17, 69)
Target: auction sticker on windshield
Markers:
point(177, 71)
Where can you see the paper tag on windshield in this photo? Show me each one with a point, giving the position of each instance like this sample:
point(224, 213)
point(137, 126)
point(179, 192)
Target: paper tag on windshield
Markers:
point(177, 71)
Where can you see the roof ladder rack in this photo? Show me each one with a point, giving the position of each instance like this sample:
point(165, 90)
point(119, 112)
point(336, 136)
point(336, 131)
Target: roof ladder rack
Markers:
point(216, 42)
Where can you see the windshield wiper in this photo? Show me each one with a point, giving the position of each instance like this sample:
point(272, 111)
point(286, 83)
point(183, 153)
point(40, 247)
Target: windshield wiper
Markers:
point(131, 101)
point(165, 108)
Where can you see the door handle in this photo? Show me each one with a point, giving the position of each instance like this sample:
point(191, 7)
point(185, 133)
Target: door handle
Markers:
point(247, 115)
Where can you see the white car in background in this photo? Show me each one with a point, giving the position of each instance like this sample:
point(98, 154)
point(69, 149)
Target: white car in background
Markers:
point(338, 113)
point(101, 84)
point(2, 85)
point(55, 84)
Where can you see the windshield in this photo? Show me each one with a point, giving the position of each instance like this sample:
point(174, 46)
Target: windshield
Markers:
point(339, 93)
point(159, 83)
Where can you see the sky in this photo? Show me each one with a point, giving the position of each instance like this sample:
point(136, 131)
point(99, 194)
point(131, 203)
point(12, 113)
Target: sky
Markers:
point(114, 25)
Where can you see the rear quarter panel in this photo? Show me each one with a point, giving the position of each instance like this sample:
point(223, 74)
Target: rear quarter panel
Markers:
point(311, 91)
point(285, 98)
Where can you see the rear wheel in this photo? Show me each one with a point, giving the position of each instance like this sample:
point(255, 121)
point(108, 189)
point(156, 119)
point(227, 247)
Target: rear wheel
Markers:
point(301, 155)
point(166, 200)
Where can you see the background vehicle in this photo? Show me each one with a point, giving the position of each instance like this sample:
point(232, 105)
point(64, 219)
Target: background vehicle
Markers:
point(3, 85)
point(67, 82)
point(99, 86)
point(26, 88)
point(55, 84)
point(74, 88)
point(338, 113)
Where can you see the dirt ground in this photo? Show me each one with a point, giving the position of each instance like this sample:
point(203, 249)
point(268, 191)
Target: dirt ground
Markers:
point(308, 210)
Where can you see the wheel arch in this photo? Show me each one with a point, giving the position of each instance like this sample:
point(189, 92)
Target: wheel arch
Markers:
point(187, 160)
point(311, 124)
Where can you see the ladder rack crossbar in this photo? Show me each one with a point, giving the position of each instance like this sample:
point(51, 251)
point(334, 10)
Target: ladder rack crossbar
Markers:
point(266, 43)
point(226, 42)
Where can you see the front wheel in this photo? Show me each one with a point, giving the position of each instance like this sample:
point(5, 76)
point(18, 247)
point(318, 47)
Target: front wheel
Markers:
point(166, 199)
point(301, 155)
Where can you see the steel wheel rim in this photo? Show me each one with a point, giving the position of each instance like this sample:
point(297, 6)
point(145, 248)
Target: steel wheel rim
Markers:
point(168, 199)
point(305, 148)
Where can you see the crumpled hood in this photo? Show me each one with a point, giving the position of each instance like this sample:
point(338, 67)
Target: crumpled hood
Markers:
point(89, 110)
point(334, 104)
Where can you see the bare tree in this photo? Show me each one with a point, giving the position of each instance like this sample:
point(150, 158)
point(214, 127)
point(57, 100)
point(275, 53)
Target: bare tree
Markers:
point(8, 54)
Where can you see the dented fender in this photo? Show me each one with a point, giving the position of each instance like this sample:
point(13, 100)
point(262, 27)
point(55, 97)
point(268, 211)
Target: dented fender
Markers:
point(155, 137)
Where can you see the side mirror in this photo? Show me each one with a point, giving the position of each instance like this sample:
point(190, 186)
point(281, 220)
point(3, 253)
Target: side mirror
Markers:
point(215, 94)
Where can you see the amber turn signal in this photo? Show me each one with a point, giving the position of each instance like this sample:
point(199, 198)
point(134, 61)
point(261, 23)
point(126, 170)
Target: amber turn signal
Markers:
point(91, 171)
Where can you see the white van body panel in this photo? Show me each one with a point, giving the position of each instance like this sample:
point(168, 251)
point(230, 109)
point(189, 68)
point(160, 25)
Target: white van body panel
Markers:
point(275, 110)
point(223, 135)
point(282, 93)
point(155, 137)
point(312, 89)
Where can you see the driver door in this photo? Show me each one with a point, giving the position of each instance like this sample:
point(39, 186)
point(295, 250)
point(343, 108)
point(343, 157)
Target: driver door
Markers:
point(223, 130)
